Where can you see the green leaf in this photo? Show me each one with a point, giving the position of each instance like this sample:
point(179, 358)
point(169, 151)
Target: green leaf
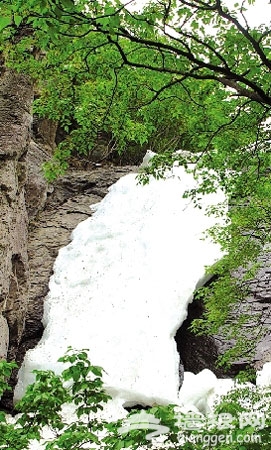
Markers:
point(4, 22)
point(17, 20)
point(98, 371)
point(68, 4)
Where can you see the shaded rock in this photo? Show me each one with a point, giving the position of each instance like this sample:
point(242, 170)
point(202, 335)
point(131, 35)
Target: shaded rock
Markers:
point(199, 352)
point(37, 188)
point(44, 132)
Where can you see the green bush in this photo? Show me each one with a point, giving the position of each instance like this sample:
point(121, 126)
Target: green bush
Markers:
point(240, 421)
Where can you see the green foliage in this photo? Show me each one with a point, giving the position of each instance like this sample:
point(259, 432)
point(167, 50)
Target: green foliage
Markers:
point(80, 384)
point(243, 239)
point(246, 409)
point(84, 67)
point(5, 373)
point(82, 83)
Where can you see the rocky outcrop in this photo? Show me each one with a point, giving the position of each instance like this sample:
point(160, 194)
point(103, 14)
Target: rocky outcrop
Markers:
point(199, 352)
point(15, 122)
point(259, 304)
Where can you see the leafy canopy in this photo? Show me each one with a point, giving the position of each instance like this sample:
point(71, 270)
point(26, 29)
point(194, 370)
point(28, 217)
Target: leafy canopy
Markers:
point(83, 57)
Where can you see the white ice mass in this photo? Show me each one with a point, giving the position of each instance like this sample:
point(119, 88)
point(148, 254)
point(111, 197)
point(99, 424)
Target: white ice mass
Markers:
point(122, 286)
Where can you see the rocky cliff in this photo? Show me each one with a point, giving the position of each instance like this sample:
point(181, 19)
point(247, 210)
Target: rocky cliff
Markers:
point(15, 122)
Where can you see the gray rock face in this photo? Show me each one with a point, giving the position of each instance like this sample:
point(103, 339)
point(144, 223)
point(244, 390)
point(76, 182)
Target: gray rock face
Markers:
point(15, 120)
point(37, 188)
point(258, 306)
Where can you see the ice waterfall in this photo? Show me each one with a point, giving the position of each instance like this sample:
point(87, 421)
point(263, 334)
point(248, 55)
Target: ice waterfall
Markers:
point(122, 286)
